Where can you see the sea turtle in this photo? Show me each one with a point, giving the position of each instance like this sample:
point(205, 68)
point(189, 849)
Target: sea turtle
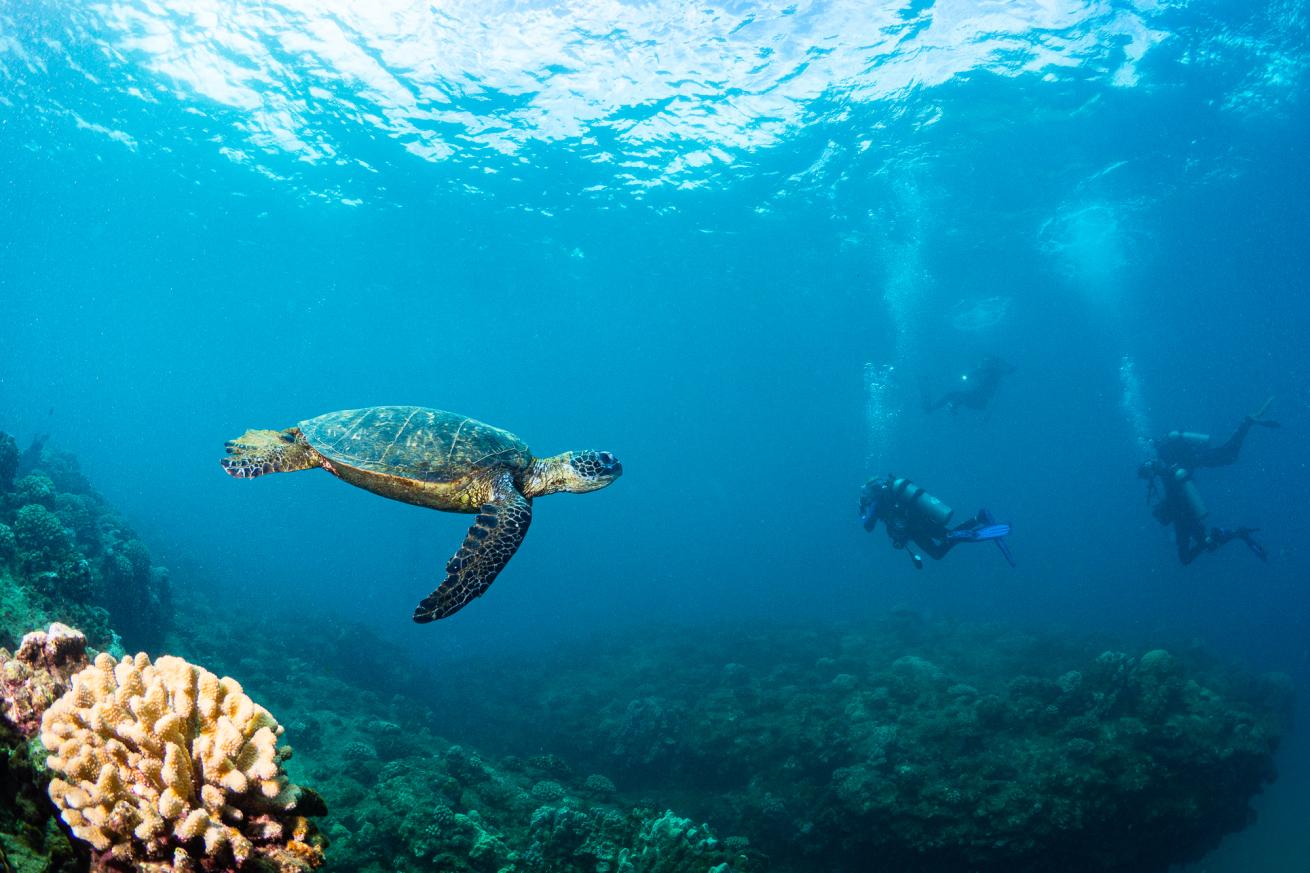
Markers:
point(437, 459)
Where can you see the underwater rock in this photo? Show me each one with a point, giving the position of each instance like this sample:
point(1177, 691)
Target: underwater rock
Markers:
point(644, 734)
point(78, 515)
point(38, 674)
point(547, 790)
point(166, 767)
point(599, 785)
point(8, 544)
point(73, 560)
point(452, 810)
point(563, 838)
point(35, 488)
point(42, 541)
point(31, 679)
point(930, 747)
point(31, 840)
point(31, 456)
point(61, 467)
point(668, 844)
point(8, 462)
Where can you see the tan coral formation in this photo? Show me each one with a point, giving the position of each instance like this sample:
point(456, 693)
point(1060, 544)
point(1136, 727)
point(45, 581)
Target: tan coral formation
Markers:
point(165, 766)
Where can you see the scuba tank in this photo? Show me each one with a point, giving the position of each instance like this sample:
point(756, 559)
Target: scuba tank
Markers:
point(1189, 438)
point(1191, 495)
point(919, 504)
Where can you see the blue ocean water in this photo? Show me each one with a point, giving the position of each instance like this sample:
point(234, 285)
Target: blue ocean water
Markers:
point(730, 242)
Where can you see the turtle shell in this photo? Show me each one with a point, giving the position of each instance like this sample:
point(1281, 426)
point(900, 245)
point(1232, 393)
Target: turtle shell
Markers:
point(428, 445)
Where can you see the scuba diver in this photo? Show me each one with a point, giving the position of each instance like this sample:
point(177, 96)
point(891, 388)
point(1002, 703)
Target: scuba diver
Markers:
point(978, 387)
point(912, 515)
point(1178, 453)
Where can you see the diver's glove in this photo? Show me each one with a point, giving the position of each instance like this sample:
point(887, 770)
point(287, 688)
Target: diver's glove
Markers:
point(869, 515)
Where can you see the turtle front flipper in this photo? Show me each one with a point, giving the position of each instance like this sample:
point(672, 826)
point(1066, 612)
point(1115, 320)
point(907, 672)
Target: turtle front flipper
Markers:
point(257, 452)
point(492, 540)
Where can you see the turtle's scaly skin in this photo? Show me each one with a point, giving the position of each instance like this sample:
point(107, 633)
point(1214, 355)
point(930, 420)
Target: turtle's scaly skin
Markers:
point(437, 459)
point(427, 457)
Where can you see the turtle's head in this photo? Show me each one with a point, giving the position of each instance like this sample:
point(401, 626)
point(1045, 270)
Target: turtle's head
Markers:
point(575, 472)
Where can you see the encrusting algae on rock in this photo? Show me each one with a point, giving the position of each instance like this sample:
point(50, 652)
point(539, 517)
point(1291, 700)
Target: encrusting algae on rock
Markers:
point(166, 767)
point(37, 674)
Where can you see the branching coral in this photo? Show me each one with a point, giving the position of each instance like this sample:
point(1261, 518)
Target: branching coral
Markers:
point(165, 766)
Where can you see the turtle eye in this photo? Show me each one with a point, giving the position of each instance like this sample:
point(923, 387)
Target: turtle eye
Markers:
point(606, 458)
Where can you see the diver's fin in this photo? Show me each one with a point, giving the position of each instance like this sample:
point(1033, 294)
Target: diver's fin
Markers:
point(985, 516)
point(1244, 534)
point(1258, 417)
point(492, 540)
point(979, 534)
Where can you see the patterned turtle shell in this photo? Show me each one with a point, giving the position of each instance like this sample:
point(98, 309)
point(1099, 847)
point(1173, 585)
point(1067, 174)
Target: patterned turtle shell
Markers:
point(427, 445)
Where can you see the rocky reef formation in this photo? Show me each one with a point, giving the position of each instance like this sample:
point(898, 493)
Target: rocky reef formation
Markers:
point(31, 679)
point(930, 747)
point(455, 811)
point(38, 674)
point(66, 556)
point(166, 767)
point(402, 798)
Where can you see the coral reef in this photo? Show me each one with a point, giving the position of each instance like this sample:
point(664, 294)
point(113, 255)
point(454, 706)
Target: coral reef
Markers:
point(932, 747)
point(165, 766)
point(935, 747)
point(69, 557)
point(404, 800)
point(452, 810)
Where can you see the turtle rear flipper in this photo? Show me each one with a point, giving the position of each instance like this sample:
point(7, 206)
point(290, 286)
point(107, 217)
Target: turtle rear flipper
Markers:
point(257, 452)
point(492, 540)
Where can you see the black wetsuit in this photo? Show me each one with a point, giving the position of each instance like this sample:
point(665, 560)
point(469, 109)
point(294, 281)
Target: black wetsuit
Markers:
point(904, 526)
point(980, 387)
point(1190, 534)
point(1176, 457)
point(1175, 450)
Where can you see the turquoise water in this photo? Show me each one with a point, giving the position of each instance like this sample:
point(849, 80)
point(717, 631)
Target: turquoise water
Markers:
point(729, 242)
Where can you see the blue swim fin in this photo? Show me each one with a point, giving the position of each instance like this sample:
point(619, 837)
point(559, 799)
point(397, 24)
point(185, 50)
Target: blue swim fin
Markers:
point(988, 519)
point(979, 534)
